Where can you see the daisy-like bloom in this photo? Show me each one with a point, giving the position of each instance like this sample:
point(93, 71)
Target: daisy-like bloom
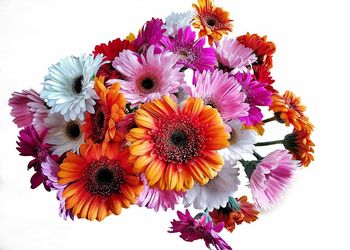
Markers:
point(235, 213)
point(62, 135)
point(221, 91)
point(191, 52)
point(149, 76)
point(110, 51)
point(100, 181)
point(109, 109)
point(269, 177)
point(154, 198)
point(234, 57)
point(262, 48)
point(241, 141)
point(151, 34)
point(301, 146)
point(31, 143)
point(68, 88)
point(176, 21)
point(217, 192)
point(176, 146)
point(263, 74)
point(192, 229)
point(212, 21)
point(257, 95)
point(289, 110)
point(27, 109)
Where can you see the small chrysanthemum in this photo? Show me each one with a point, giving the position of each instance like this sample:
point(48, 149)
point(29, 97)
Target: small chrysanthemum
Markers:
point(221, 91)
point(109, 110)
point(68, 88)
point(149, 76)
point(234, 57)
point(212, 21)
point(176, 21)
point(217, 192)
point(99, 181)
point(176, 147)
point(191, 52)
point(192, 229)
point(289, 110)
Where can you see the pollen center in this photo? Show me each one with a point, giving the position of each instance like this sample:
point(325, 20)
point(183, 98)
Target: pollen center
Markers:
point(99, 124)
point(147, 83)
point(77, 85)
point(73, 130)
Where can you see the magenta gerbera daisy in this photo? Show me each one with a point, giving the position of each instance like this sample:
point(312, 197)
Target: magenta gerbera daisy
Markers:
point(257, 95)
point(148, 76)
point(191, 52)
point(221, 91)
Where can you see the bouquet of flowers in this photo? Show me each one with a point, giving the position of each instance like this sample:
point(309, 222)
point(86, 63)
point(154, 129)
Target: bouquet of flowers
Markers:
point(170, 115)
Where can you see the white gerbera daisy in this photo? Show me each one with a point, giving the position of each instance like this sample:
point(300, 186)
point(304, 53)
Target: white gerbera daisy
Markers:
point(63, 135)
point(241, 142)
point(218, 190)
point(68, 88)
point(175, 21)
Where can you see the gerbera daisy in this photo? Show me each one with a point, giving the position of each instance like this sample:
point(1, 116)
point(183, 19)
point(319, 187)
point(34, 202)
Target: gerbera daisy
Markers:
point(262, 48)
point(218, 190)
point(234, 57)
point(110, 51)
point(176, 21)
point(192, 229)
point(149, 76)
point(191, 52)
point(221, 91)
point(269, 177)
point(263, 74)
point(68, 88)
point(62, 135)
point(289, 110)
point(28, 108)
point(100, 181)
point(301, 146)
point(212, 21)
point(109, 109)
point(154, 198)
point(176, 146)
point(235, 213)
point(257, 95)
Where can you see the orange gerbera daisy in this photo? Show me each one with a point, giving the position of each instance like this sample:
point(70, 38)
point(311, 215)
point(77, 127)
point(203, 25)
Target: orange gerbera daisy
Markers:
point(259, 128)
point(236, 212)
point(212, 21)
point(301, 146)
point(262, 48)
point(176, 146)
point(100, 181)
point(102, 125)
point(289, 110)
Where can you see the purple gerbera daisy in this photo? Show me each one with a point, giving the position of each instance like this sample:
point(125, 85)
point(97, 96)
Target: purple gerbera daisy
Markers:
point(154, 198)
point(192, 229)
point(148, 76)
point(191, 52)
point(257, 95)
point(221, 91)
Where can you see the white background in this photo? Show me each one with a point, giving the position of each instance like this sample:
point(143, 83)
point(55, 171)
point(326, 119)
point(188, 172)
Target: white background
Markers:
point(312, 59)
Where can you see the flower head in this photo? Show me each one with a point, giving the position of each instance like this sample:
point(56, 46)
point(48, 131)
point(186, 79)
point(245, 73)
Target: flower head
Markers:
point(176, 21)
point(263, 74)
point(176, 146)
point(100, 181)
point(149, 76)
point(212, 21)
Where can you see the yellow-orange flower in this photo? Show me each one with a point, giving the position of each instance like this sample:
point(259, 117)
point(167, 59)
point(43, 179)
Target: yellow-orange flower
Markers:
point(100, 181)
point(175, 146)
point(212, 21)
point(259, 128)
point(288, 109)
point(102, 125)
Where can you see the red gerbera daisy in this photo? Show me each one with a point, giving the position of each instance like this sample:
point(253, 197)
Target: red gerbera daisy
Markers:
point(263, 74)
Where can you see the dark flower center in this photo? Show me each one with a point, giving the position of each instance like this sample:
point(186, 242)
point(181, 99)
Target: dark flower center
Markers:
point(73, 130)
point(78, 86)
point(99, 124)
point(211, 22)
point(179, 138)
point(104, 175)
point(147, 83)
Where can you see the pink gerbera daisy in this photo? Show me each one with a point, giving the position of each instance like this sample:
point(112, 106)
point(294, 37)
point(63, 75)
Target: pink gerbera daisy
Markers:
point(148, 76)
point(191, 52)
point(221, 91)
point(257, 95)
point(234, 57)
point(154, 198)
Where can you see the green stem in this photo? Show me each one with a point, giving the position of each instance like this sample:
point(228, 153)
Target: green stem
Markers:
point(268, 143)
point(273, 118)
point(257, 156)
